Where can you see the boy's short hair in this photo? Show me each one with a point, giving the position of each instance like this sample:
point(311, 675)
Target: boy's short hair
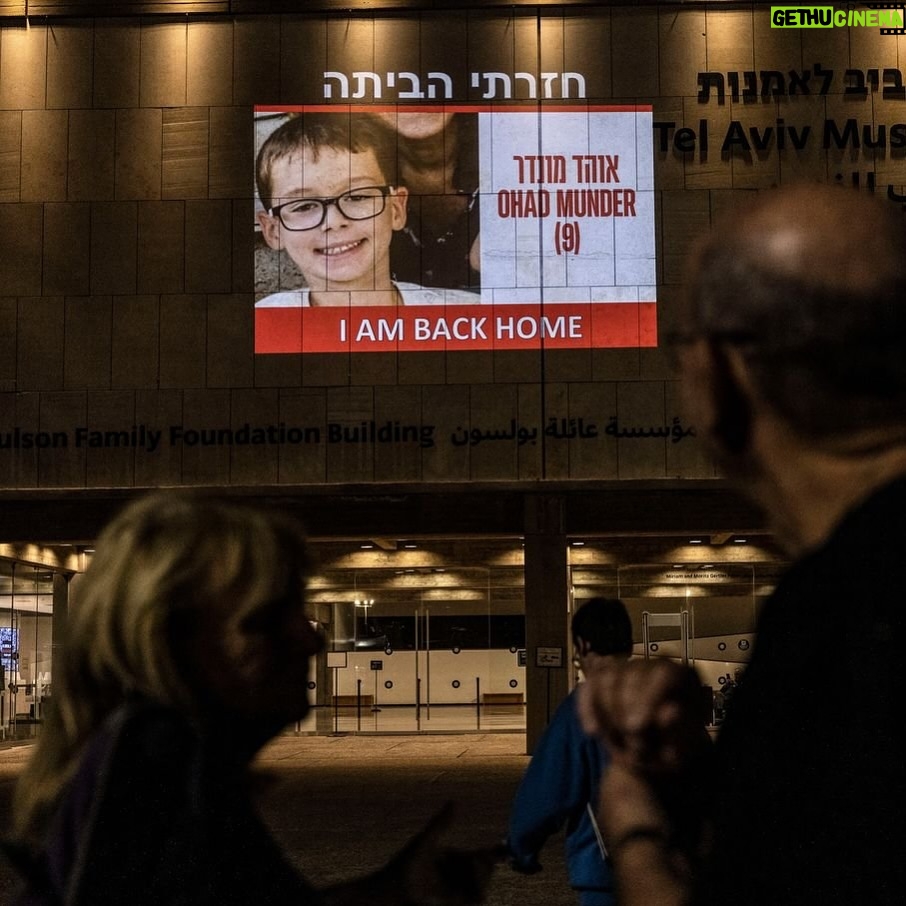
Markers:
point(314, 131)
point(605, 625)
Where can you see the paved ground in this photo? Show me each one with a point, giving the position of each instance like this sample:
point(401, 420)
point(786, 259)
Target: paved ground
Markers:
point(342, 805)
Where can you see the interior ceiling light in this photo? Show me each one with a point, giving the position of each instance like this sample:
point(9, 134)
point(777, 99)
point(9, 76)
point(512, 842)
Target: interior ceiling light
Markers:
point(410, 546)
point(740, 540)
point(577, 543)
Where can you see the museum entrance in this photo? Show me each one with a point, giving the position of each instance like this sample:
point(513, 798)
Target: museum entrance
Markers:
point(26, 616)
point(422, 635)
point(430, 633)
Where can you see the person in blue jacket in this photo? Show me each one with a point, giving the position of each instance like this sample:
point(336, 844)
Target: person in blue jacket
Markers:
point(562, 777)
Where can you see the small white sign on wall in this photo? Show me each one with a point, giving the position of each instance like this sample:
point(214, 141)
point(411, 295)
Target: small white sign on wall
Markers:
point(548, 657)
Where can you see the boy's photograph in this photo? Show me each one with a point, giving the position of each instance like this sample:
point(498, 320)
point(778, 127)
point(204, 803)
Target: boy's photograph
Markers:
point(330, 203)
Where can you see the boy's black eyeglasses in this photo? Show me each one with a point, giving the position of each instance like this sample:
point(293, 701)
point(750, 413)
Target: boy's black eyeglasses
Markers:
point(356, 204)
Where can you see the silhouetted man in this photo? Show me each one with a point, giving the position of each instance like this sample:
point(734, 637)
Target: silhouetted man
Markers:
point(793, 357)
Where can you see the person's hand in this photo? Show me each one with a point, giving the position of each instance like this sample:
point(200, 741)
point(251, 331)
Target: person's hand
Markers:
point(648, 713)
point(524, 865)
point(626, 801)
point(432, 875)
point(424, 873)
point(651, 806)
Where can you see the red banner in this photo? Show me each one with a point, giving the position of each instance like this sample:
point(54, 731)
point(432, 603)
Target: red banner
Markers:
point(456, 327)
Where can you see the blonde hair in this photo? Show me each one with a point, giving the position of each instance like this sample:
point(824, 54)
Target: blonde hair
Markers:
point(167, 559)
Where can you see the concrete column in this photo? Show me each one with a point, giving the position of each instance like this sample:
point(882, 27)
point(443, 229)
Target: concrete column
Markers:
point(546, 612)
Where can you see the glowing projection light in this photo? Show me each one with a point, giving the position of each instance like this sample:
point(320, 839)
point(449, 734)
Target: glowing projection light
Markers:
point(548, 244)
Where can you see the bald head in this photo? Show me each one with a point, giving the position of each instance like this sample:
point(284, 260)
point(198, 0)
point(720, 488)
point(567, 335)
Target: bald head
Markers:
point(822, 235)
point(810, 284)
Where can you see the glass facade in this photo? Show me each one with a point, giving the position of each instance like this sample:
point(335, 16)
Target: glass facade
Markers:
point(430, 635)
point(26, 617)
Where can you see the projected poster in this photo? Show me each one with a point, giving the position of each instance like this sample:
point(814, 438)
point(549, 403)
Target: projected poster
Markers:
point(395, 228)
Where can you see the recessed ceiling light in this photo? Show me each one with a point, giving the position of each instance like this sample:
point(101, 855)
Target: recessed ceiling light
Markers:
point(367, 546)
point(740, 540)
point(695, 541)
point(410, 546)
point(577, 543)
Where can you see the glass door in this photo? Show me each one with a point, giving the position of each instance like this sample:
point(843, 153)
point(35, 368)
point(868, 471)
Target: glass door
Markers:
point(701, 613)
point(420, 642)
point(26, 616)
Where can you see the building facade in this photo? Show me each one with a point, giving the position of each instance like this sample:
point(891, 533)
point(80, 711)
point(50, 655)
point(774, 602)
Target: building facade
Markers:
point(532, 434)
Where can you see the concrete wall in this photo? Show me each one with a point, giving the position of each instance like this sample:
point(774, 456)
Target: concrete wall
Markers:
point(126, 242)
point(126, 246)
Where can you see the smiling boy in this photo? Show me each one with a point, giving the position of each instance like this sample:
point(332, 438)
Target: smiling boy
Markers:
point(326, 182)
